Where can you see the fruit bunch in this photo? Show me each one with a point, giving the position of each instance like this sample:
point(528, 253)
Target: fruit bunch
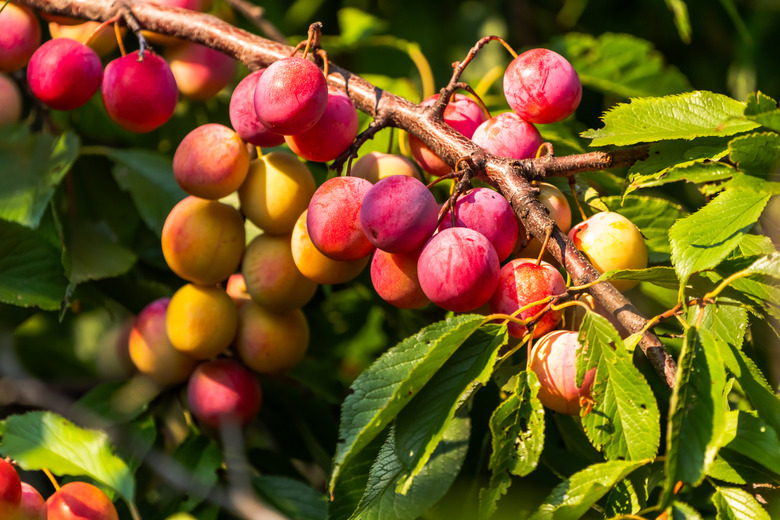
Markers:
point(21, 501)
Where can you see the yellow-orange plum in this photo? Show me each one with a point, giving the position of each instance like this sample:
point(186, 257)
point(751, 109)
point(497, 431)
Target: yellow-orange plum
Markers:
point(271, 276)
point(375, 166)
point(201, 320)
point(203, 240)
point(316, 266)
point(276, 190)
point(10, 100)
point(200, 71)
point(271, 343)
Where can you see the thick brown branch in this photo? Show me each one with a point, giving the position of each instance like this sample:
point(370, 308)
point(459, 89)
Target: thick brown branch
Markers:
point(509, 176)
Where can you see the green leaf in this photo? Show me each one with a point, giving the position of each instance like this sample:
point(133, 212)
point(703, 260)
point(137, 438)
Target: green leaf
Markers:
point(517, 438)
point(119, 401)
point(737, 504)
point(681, 19)
point(201, 457)
point(387, 386)
point(629, 496)
point(697, 410)
point(574, 496)
point(695, 172)
point(94, 253)
point(756, 154)
point(682, 511)
point(624, 422)
point(734, 468)
point(353, 480)
point(33, 166)
point(679, 116)
point(381, 501)
point(703, 239)
point(652, 215)
point(768, 265)
point(148, 177)
point(292, 497)
point(679, 153)
point(753, 438)
point(763, 110)
point(39, 440)
point(621, 64)
point(31, 273)
point(754, 245)
point(662, 276)
point(421, 424)
point(356, 25)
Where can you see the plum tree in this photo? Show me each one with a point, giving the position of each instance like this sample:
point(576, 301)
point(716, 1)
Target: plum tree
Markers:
point(271, 343)
point(79, 501)
point(541, 86)
point(243, 116)
point(200, 71)
point(316, 266)
point(333, 219)
point(10, 489)
point(553, 363)
point(152, 352)
point(333, 132)
point(522, 282)
point(458, 269)
point(20, 35)
point(398, 214)
point(271, 276)
point(64, 73)
point(611, 241)
point(139, 91)
point(276, 191)
point(203, 240)
point(223, 391)
point(201, 321)
point(291, 96)
point(211, 162)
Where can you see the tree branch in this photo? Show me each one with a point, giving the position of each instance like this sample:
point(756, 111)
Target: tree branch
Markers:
point(511, 177)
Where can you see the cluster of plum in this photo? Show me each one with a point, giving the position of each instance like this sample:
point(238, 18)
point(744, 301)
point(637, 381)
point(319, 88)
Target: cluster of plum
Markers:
point(66, 71)
point(21, 501)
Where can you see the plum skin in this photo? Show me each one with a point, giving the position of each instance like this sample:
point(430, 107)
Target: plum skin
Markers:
point(458, 269)
point(611, 241)
point(10, 100)
point(243, 117)
point(554, 363)
point(10, 489)
point(333, 219)
point(398, 214)
point(221, 391)
point(79, 500)
point(64, 73)
point(521, 282)
point(201, 321)
point(375, 166)
point(508, 135)
point(271, 343)
point(20, 35)
point(394, 277)
point(200, 71)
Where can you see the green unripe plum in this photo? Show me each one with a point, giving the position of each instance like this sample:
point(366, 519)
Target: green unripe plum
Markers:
point(272, 278)
point(611, 241)
point(211, 162)
point(375, 166)
point(201, 321)
point(152, 352)
point(554, 363)
point(271, 343)
point(203, 240)
point(276, 191)
point(79, 501)
point(316, 266)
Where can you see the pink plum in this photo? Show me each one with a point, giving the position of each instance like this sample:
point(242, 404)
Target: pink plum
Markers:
point(223, 391)
point(508, 135)
point(394, 277)
point(243, 117)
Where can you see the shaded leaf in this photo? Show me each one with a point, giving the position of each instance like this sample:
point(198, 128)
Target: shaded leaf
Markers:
point(751, 437)
point(292, 497)
point(381, 500)
point(680, 116)
point(353, 480)
point(387, 386)
point(33, 166)
point(696, 172)
point(682, 511)
point(201, 457)
point(31, 273)
point(421, 424)
point(517, 439)
point(763, 110)
point(755, 154)
point(574, 496)
point(39, 440)
point(93, 253)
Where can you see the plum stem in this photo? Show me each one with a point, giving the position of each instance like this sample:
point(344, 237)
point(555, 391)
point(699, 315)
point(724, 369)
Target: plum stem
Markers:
point(51, 477)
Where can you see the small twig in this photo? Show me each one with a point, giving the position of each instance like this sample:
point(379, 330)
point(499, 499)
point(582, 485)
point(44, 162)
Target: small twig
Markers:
point(256, 15)
point(375, 126)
